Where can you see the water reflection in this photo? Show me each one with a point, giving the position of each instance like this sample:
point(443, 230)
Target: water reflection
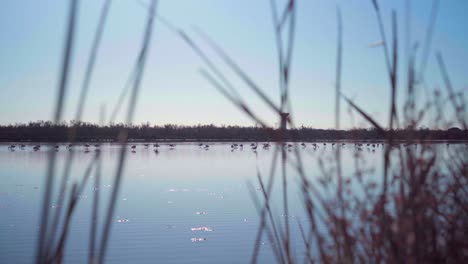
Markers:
point(189, 192)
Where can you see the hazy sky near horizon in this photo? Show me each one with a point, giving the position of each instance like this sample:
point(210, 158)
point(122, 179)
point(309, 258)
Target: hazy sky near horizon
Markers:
point(173, 91)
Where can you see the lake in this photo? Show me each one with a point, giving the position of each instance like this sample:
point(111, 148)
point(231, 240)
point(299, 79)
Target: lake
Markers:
point(187, 204)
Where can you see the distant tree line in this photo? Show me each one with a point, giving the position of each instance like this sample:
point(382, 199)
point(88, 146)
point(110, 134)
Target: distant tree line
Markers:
point(45, 131)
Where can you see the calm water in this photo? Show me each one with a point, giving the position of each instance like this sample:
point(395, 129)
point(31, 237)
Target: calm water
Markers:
point(164, 196)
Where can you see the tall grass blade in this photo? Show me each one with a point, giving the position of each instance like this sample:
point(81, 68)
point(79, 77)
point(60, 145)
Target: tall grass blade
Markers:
point(63, 83)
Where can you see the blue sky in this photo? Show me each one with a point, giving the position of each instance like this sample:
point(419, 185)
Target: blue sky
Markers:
point(173, 91)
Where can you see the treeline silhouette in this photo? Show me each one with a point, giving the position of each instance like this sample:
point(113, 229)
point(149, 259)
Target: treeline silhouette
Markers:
point(46, 131)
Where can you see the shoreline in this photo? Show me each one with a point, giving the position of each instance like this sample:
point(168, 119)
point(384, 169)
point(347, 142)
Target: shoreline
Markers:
point(9, 142)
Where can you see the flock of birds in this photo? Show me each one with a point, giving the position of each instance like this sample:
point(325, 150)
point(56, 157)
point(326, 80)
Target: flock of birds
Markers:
point(234, 146)
point(56, 147)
